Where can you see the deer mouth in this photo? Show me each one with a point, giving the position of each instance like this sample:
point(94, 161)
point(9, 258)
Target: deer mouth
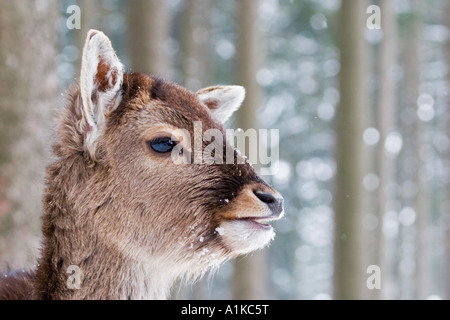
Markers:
point(260, 222)
point(256, 224)
point(243, 234)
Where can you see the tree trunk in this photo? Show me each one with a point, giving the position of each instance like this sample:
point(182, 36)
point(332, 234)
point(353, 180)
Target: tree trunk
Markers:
point(447, 213)
point(250, 272)
point(423, 271)
point(349, 271)
point(386, 125)
point(148, 23)
point(196, 60)
point(91, 18)
point(28, 91)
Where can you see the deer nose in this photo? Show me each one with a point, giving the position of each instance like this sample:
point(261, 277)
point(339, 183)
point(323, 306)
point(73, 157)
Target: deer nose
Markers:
point(274, 203)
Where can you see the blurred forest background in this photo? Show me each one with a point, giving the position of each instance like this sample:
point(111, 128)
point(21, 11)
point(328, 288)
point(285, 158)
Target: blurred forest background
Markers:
point(362, 112)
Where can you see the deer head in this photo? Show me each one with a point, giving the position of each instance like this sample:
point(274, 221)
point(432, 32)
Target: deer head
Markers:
point(115, 192)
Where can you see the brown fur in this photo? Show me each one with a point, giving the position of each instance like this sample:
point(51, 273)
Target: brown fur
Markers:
point(130, 219)
point(16, 285)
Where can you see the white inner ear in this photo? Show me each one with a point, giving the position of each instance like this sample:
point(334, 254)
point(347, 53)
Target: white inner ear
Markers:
point(222, 101)
point(100, 82)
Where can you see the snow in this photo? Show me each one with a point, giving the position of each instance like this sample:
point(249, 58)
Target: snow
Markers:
point(244, 236)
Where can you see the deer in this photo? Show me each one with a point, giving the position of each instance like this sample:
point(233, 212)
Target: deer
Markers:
point(121, 219)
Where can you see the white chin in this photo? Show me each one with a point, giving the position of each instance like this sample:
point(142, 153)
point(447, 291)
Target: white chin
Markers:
point(244, 236)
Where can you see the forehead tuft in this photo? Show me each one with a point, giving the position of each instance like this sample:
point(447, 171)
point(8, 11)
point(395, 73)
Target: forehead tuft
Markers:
point(171, 100)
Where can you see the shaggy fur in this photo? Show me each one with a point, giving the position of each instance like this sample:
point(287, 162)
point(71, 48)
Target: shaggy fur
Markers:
point(127, 217)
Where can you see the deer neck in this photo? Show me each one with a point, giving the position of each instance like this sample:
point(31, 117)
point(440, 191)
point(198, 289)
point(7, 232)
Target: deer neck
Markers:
point(75, 262)
point(100, 276)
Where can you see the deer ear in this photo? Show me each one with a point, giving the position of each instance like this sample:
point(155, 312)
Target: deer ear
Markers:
point(222, 101)
point(100, 83)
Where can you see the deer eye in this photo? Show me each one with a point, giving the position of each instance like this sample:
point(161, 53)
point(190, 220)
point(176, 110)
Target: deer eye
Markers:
point(162, 145)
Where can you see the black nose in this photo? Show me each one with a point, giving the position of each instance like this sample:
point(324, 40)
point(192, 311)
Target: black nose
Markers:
point(275, 204)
